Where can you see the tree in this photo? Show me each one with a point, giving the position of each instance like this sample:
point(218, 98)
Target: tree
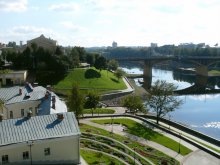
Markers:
point(161, 99)
point(133, 104)
point(92, 101)
point(75, 101)
point(119, 73)
point(100, 63)
point(113, 65)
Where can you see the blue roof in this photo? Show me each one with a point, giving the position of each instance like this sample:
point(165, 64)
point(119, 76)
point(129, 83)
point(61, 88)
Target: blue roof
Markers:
point(21, 130)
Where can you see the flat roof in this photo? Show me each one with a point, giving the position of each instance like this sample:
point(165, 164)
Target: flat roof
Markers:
point(13, 131)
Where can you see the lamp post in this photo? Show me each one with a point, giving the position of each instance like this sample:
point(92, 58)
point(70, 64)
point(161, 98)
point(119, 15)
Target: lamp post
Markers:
point(134, 154)
point(179, 142)
point(112, 124)
point(169, 115)
point(30, 144)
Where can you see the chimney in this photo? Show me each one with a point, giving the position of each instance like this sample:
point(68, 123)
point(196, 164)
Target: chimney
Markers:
point(60, 116)
point(53, 105)
point(49, 87)
point(29, 114)
point(53, 99)
point(47, 95)
point(1, 117)
point(20, 91)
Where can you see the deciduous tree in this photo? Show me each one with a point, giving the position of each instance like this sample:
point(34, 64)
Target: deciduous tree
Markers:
point(161, 99)
point(75, 101)
point(133, 104)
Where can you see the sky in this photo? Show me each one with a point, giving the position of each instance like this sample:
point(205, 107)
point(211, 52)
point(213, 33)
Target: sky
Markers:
point(89, 23)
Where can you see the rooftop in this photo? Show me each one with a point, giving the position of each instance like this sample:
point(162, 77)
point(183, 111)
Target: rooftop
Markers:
point(19, 94)
point(37, 128)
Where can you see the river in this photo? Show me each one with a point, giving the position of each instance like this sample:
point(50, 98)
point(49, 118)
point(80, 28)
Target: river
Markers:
point(200, 112)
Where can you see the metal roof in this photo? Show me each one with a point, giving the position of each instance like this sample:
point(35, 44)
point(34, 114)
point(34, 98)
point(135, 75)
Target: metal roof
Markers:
point(20, 130)
point(11, 95)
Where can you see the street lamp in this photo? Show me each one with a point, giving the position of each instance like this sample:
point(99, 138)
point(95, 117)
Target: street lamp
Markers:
point(134, 154)
point(169, 115)
point(30, 144)
point(179, 142)
point(112, 124)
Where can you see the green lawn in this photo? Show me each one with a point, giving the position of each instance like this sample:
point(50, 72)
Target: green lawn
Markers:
point(99, 111)
point(91, 78)
point(92, 157)
point(214, 72)
point(147, 133)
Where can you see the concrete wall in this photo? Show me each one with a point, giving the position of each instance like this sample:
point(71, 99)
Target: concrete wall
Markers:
point(62, 151)
point(26, 105)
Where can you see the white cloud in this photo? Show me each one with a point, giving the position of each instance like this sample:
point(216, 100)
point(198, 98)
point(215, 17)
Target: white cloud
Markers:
point(13, 5)
point(72, 27)
point(65, 7)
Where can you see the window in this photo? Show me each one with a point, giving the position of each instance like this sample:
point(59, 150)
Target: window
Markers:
point(25, 155)
point(22, 112)
point(5, 159)
point(46, 151)
point(11, 114)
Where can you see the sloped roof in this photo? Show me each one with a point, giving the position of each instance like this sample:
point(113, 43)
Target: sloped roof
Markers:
point(11, 95)
point(21, 130)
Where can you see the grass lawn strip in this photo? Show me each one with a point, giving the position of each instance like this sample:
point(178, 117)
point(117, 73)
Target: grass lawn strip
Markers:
point(117, 144)
point(91, 78)
point(158, 156)
point(99, 146)
point(99, 111)
point(97, 157)
point(147, 133)
point(206, 145)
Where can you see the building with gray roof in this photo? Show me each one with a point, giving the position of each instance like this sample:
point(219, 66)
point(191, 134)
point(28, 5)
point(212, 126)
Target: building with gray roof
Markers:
point(18, 101)
point(47, 139)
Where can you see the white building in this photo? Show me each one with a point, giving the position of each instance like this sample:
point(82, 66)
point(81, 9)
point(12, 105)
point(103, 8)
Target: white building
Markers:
point(48, 139)
point(13, 77)
point(18, 101)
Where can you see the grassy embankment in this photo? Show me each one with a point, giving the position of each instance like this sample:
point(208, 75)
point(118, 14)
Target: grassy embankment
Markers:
point(92, 157)
point(147, 133)
point(99, 111)
point(90, 79)
point(214, 73)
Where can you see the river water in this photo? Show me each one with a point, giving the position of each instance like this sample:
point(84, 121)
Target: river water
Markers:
point(200, 112)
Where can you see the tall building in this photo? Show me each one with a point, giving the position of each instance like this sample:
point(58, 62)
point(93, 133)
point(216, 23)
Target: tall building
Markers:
point(114, 44)
point(153, 45)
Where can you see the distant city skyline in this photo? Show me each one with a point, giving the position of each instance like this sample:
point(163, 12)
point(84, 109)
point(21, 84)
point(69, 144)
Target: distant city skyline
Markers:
point(90, 23)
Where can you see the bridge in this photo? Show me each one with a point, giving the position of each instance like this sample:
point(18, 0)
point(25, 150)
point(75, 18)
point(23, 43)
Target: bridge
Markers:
point(201, 63)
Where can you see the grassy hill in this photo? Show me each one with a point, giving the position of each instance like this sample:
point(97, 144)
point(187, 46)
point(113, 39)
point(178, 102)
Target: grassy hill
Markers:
point(91, 78)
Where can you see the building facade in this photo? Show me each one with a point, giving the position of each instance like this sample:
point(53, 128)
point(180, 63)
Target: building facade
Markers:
point(43, 42)
point(48, 139)
point(13, 77)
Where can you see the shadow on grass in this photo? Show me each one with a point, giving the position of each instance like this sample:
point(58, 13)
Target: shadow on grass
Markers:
point(90, 73)
point(141, 131)
point(113, 79)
